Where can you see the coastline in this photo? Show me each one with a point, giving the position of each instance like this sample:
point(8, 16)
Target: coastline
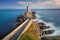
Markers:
point(39, 24)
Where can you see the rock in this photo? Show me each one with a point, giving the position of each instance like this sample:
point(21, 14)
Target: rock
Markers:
point(47, 27)
point(41, 24)
point(43, 38)
point(44, 27)
point(33, 13)
point(48, 32)
point(51, 38)
point(21, 19)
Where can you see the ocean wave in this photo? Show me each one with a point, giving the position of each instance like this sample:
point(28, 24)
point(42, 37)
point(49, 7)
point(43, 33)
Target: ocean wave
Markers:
point(52, 26)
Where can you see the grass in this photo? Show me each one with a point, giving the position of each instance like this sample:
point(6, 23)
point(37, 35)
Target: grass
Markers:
point(31, 34)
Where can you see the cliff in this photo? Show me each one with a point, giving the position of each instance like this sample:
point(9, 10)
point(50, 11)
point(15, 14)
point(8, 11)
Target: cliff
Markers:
point(35, 27)
point(36, 30)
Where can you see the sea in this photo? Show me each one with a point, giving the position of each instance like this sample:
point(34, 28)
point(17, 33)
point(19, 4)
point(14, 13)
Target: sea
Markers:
point(8, 17)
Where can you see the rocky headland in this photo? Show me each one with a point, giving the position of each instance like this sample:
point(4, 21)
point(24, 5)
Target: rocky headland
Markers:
point(42, 28)
point(40, 25)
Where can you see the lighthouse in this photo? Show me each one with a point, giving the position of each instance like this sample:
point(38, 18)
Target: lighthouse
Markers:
point(28, 12)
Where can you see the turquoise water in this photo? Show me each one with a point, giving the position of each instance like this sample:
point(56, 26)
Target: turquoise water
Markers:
point(8, 18)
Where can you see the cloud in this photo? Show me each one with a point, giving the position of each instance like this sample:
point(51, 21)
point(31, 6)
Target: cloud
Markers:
point(47, 2)
point(57, 2)
point(42, 4)
point(25, 3)
point(31, 4)
point(22, 2)
point(51, 2)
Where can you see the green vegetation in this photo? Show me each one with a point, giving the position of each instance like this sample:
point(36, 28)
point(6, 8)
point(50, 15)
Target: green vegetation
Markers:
point(31, 33)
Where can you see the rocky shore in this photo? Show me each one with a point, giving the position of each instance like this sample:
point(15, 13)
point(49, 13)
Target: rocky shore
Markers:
point(41, 25)
point(51, 38)
point(23, 17)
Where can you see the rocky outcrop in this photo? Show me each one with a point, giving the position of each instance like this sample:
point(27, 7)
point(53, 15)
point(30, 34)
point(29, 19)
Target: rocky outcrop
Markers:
point(48, 32)
point(51, 38)
point(43, 27)
point(21, 19)
point(34, 16)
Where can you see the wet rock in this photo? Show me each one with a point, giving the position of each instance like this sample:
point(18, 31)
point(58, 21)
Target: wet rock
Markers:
point(41, 24)
point(44, 27)
point(34, 16)
point(34, 13)
point(51, 38)
point(43, 39)
point(48, 32)
point(47, 27)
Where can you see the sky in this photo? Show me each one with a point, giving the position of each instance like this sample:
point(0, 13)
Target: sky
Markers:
point(34, 4)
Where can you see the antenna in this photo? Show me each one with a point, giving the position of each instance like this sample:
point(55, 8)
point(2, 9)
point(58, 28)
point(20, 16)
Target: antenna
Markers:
point(27, 2)
point(27, 5)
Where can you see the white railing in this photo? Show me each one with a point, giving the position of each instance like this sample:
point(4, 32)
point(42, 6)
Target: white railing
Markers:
point(26, 28)
point(14, 31)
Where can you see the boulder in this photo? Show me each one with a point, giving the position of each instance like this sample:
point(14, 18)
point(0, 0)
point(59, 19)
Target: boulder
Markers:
point(48, 32)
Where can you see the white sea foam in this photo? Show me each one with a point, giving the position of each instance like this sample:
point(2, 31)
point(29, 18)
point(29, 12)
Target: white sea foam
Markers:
point(52, 26)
